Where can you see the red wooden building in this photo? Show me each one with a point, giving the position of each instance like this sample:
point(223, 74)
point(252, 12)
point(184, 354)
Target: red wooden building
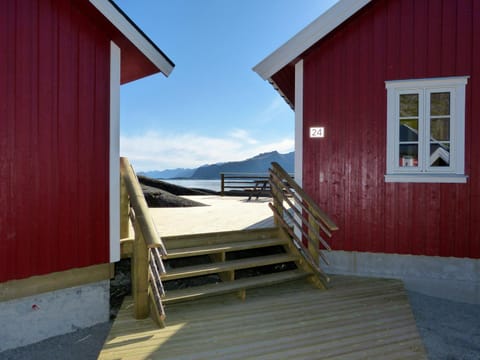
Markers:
point(61, 66)
point(385, 94)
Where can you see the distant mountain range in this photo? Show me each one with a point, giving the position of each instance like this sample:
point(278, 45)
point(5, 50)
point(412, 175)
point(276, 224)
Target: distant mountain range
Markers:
point(256, 164)
point(179, 173)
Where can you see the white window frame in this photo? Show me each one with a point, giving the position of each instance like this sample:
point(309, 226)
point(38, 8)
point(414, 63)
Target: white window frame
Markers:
point(455, 172)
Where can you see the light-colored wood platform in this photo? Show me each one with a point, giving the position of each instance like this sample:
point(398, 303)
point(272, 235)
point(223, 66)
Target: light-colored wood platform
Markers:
point(227, 213)
point(357, 318)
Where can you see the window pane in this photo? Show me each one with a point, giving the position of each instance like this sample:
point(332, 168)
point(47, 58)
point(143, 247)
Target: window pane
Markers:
point(408, 105)
point(408, 155)
point(440, 104)
point(440, 129)
point(439, 154)
point(409, 130)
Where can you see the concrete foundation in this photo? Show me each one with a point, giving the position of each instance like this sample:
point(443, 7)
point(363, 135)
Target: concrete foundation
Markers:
point(31, 319)
point(456, 279)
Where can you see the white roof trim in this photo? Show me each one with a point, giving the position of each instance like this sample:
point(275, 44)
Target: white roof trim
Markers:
point(125, 26)
point(318, 29)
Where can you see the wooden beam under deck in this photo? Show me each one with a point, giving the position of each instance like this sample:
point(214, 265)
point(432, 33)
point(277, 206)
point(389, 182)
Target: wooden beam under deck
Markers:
point(356, 318)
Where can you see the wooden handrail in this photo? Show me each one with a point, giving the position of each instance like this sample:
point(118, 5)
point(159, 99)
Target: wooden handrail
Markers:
point(310, 223)
point(305, 197)
point(139, 205)
point(296, 237)
point(147, 248)
point(297, 199)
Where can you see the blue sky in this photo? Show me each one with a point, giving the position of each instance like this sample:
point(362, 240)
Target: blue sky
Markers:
point(213, 107)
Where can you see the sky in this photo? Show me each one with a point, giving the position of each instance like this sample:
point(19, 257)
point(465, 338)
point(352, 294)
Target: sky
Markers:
point(213, 107)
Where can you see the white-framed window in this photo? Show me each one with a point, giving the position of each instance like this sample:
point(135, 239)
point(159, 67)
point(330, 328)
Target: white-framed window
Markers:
point(426, 130)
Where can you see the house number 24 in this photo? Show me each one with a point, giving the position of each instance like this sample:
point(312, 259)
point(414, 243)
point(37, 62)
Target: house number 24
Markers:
point(317, 132)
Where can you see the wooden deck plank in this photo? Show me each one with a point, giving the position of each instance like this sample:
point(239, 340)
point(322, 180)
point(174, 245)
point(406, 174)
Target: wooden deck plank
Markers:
point(356, 318)
point(335, 311)
point(280, 342)
point(195, 335)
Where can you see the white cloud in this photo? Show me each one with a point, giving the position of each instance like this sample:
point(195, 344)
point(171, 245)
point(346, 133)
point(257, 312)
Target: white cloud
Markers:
point(243, 136)
point(156, 150)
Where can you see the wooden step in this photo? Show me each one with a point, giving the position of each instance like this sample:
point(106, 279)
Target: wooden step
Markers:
point(232, 286)
point(222, 248)
point(194, 240)
point(213, 268)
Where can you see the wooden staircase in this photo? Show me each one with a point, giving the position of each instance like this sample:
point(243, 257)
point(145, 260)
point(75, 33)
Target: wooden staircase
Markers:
point(180, 268)
point(204, 265)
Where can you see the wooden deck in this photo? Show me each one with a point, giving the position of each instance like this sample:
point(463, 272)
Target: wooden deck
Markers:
point(357, 318)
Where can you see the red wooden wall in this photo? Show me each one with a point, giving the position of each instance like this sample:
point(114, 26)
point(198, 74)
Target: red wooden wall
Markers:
point(344, 91)
point(54, 131)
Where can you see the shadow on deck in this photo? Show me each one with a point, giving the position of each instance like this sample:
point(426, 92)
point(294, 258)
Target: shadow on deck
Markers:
point(357, 318)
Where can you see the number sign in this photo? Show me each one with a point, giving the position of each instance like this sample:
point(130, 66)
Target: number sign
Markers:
point(317, 132)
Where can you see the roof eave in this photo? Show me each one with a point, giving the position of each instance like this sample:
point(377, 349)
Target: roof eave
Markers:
point(285, 98)
point(133, 33)
point(307, 37)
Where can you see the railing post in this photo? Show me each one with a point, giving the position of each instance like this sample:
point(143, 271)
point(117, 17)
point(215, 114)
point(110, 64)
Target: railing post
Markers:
point(124, 210)
point(298, 218)
point(222, 184)
point(313, 247)
point(277, 196)
point(139, 269)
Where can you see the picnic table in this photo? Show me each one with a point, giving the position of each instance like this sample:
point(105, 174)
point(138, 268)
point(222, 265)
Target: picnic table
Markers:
point(260, 185)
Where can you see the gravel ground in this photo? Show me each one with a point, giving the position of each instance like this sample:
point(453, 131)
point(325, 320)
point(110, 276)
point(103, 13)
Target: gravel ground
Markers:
point(83, 344)
point(450, 331)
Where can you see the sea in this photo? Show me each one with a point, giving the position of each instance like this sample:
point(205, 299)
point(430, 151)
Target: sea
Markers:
point(196, 184)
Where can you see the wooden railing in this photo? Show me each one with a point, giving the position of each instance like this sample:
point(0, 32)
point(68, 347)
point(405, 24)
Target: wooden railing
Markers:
point(241, 182)
point(146, 246)
point(299, 216)
point(245, 183)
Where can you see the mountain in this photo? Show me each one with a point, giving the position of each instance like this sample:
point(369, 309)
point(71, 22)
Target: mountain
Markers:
point(169, 173)
point(256, 164)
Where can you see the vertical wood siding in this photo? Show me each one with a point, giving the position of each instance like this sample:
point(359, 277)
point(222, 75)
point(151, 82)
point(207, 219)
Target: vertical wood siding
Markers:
point(54, 131)
point(344, 91)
